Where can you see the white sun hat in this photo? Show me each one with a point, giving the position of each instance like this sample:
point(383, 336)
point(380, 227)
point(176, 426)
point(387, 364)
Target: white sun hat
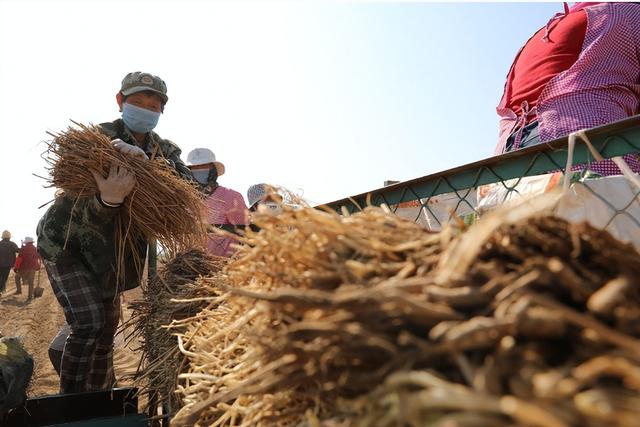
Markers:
point(204, 156)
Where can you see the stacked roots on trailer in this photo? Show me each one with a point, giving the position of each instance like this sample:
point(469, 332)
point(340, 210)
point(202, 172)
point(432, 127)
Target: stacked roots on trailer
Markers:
point(169, 298)
point(370, 320)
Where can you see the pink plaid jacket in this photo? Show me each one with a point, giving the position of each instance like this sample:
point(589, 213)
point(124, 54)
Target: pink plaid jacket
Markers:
point(224, 206)
point(601, 87)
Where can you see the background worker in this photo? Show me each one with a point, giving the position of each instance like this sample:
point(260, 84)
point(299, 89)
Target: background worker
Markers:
point(79, 250)
point(225, 207)
point(27, 264)
point(8, 251)
point(264, 198)
point(579, 71)
point(56, 347)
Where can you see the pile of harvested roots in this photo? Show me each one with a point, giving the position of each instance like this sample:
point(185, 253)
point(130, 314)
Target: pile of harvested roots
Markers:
point(162, 206)
point(169, 298)
point(369, 320)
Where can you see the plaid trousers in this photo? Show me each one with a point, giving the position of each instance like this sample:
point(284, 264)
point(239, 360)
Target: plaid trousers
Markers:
point(26, 277)
point(87, 359)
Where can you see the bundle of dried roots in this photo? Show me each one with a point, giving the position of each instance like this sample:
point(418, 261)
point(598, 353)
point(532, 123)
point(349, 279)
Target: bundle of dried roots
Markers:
point(169, 298)
point(529, 321)
point(162, 206)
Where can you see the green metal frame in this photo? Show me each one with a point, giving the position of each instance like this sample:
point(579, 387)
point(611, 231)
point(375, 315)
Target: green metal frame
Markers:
point(612, 140)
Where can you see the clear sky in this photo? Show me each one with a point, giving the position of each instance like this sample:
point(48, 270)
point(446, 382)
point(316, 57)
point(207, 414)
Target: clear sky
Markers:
point(326, 98)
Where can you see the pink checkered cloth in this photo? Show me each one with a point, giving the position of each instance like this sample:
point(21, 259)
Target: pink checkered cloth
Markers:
point(224, 206)
point(601, 87)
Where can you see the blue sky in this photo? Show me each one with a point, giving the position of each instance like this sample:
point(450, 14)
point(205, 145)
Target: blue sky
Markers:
point(327, 99)
point(428, 77)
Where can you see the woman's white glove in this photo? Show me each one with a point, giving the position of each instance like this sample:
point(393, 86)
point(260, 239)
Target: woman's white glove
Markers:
point(128, 149)
point(116, 186)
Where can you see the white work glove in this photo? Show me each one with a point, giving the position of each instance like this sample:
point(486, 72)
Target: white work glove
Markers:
point(115, 187)
point(128, 149)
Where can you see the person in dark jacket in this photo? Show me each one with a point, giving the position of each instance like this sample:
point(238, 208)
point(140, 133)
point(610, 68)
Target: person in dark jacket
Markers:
point(76, 240)
point(8, 251)
point(27, 264)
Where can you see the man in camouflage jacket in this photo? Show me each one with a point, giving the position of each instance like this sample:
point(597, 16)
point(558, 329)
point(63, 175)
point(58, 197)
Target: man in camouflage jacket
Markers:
point(76, 240)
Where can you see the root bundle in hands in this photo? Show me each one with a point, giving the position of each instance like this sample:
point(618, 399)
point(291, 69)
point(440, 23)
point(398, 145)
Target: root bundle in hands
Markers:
point(370, 320)
point(162, 206)
point(169, 299)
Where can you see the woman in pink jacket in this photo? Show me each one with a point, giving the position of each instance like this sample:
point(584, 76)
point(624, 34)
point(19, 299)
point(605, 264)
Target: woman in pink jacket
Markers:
point(581, 70)
point(226, 209)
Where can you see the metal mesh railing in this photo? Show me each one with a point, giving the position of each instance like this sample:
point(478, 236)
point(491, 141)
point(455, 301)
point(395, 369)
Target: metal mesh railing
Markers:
point(463, 193)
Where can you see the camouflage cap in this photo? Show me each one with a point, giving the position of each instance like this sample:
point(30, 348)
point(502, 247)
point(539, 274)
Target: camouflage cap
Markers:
point(139, 82)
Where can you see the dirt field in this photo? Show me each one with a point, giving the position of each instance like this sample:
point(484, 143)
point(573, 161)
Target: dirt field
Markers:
point(38, 321)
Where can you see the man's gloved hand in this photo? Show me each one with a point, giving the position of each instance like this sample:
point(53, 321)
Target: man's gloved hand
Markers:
point(115, 187)
point(128, 149)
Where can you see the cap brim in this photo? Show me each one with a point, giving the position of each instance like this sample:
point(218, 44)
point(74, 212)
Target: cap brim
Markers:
point(219, 168)
point(255, 201)
point(267, 196)
point(137, 89)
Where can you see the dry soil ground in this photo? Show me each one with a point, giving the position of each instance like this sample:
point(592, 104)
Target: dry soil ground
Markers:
point(38, 321)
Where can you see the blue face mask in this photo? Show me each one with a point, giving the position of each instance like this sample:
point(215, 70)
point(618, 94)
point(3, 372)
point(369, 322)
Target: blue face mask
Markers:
point(139, 119)
point(202, 176)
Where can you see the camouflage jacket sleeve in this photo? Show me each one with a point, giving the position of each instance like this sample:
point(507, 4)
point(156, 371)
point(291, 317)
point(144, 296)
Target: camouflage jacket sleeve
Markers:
point(172, 153)
point(77, 224)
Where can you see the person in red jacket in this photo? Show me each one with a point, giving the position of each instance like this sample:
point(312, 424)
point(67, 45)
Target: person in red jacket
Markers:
point(27, 263)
